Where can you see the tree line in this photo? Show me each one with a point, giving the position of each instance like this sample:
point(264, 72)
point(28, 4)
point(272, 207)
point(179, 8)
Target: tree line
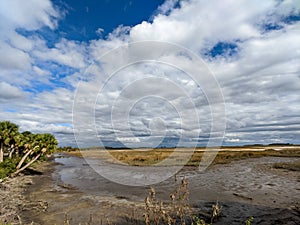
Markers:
point(19, 150)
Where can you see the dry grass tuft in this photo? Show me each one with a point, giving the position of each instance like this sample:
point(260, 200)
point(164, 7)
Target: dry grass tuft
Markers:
point(177, 211)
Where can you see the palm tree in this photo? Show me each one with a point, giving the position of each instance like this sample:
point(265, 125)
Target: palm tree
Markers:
point(37, 145)
point(26, 146)
point(8, 132)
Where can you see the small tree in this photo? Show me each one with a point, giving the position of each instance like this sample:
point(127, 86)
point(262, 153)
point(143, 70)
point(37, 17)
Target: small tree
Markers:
point(35, 146)
point(8, 133)
point(23, 149)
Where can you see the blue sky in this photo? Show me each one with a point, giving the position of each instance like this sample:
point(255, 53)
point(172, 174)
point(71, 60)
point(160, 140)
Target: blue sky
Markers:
point(53, 55)
point(84, 18)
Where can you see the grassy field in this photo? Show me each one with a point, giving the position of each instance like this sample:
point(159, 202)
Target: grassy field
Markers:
point(146, 157)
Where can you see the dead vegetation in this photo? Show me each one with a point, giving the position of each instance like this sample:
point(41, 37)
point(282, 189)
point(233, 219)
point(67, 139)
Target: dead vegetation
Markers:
point(292, 166)
point(139, 157)
point(177, 210)
point(11, 199)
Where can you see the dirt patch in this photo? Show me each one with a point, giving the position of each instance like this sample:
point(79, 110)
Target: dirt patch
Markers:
point(61, 203)
point(235, 213)
point(13, 199)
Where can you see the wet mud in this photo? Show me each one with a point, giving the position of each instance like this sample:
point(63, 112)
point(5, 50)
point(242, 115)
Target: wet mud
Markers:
point(72, 190)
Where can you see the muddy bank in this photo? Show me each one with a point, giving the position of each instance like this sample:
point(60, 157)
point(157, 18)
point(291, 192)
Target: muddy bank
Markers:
point(243, 188)
point(65, 202)
point(69, 186)
point(13, 198)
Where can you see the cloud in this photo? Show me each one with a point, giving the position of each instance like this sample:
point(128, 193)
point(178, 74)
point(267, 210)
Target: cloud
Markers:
point(167, 7)
point(99, 32)
point(30, 16)
point(9, 92)
point(64, 52)
point(18, 38)
point(262, 72)
point(260, 81)
point(206, 27)
point(14, 58)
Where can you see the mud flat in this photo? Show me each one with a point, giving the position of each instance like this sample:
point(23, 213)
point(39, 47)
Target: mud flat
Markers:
point(13, 197)
point(250, 187)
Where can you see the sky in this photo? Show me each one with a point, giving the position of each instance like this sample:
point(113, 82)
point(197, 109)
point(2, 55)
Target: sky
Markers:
point(120, 73)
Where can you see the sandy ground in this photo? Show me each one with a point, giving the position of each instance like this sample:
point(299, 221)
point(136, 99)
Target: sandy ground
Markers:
point(13, 198)
point(50, 198)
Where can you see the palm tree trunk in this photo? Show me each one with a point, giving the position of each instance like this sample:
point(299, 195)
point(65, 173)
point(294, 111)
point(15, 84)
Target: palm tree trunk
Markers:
point(1, 153)
point(11, 152)
point(23, 159)
point(27, 165)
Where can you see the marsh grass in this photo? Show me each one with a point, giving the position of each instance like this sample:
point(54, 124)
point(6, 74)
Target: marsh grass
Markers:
point(141, 157)
point(148, 158)
point(292, 166)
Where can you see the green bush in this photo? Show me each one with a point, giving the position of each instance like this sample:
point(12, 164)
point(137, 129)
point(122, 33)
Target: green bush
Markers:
point(7, 167)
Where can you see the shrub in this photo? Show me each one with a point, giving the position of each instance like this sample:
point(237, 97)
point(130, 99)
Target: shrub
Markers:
point(7, 167)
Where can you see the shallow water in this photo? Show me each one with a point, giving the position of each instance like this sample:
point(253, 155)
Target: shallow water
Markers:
point(249, 180)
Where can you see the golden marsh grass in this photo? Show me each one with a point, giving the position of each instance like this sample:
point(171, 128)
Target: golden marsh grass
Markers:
point(148, 157)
